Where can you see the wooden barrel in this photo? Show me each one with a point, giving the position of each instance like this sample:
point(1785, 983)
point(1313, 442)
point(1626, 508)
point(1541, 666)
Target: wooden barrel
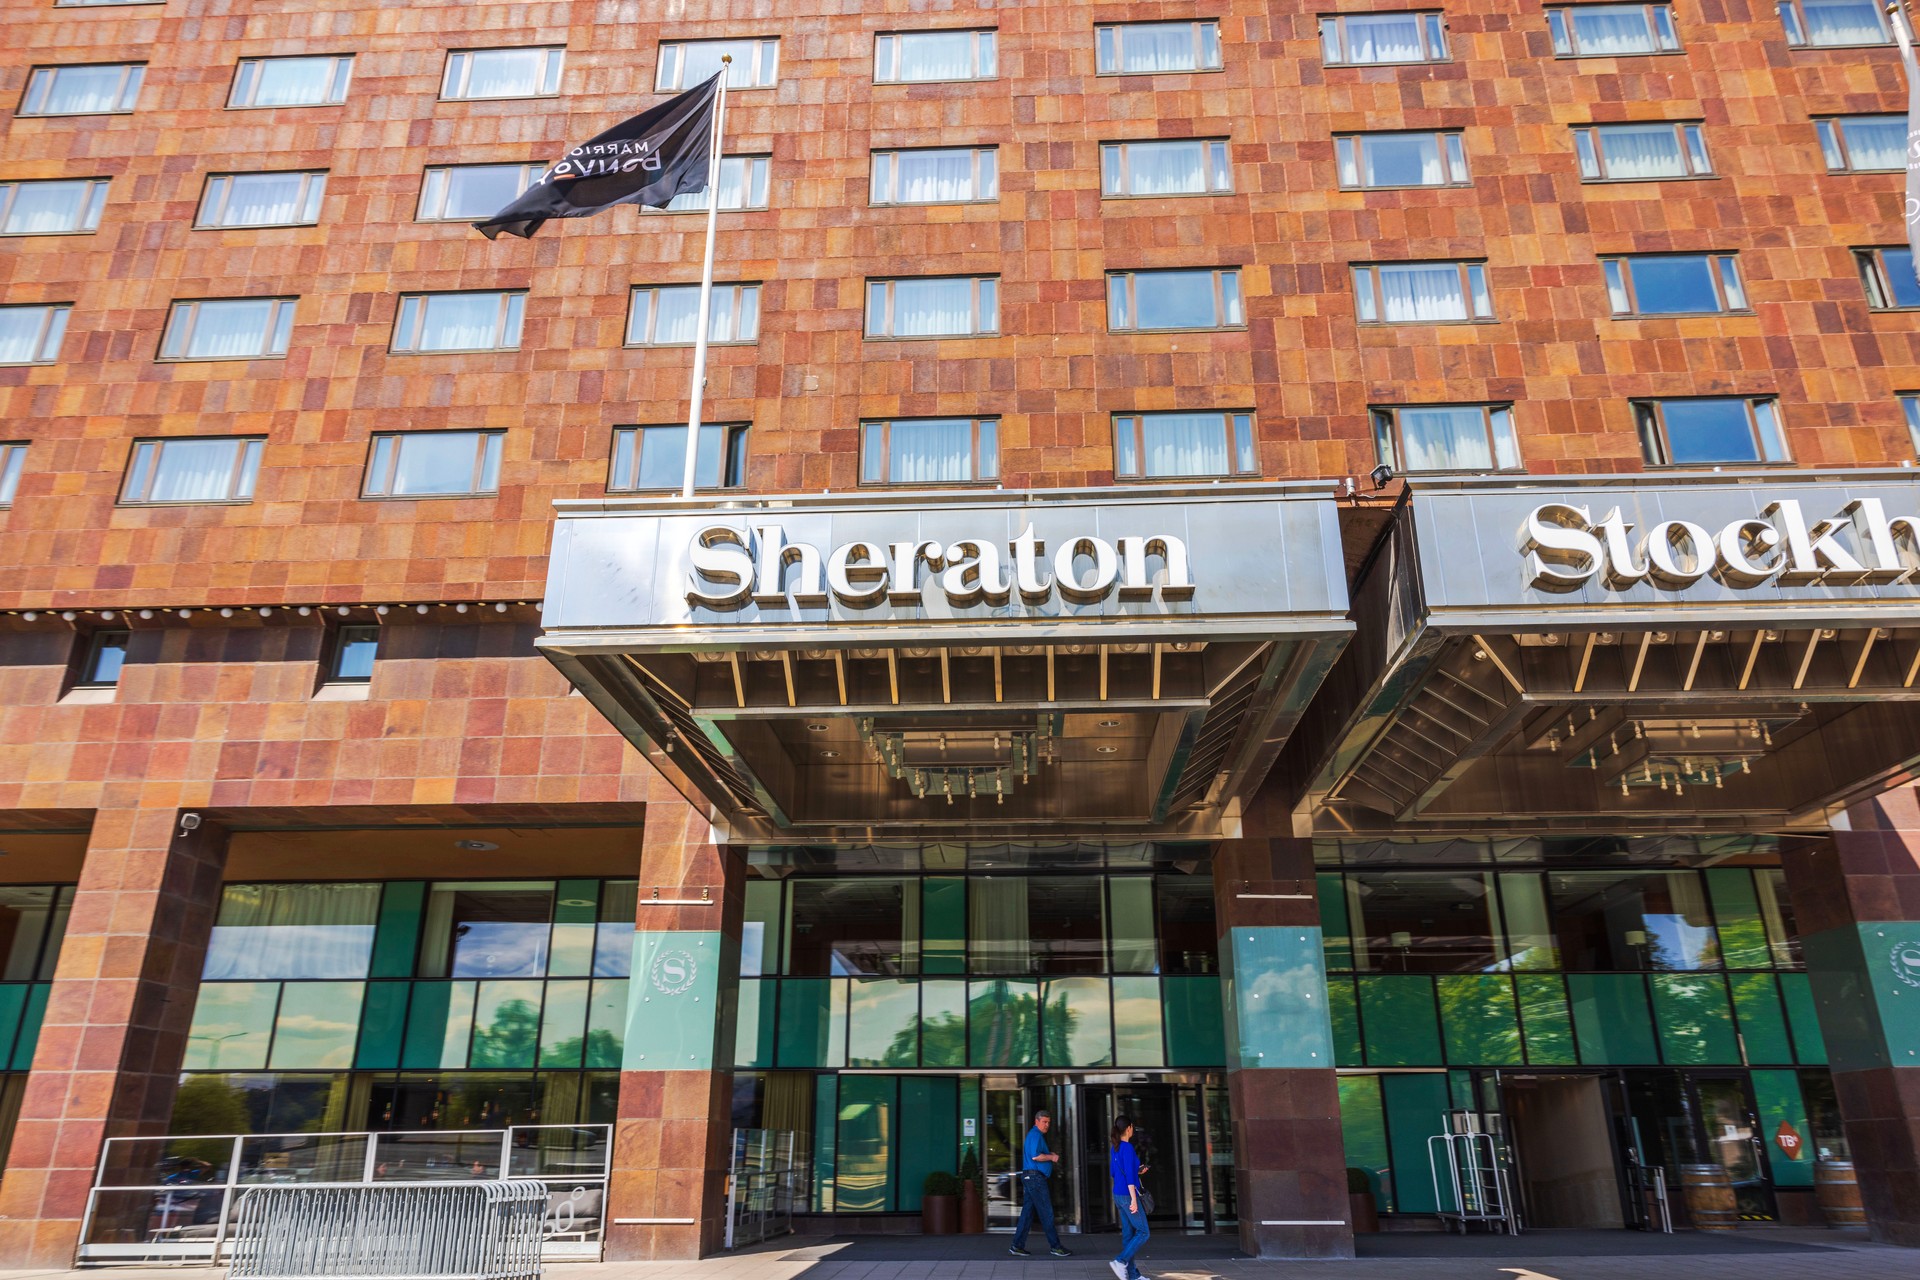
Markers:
point(1709, 1196)
point(1838, 1194)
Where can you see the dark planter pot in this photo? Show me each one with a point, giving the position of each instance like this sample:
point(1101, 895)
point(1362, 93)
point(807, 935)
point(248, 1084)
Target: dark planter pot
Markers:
point(973, 1212)
point(1360, 1207)
point(940, 1215)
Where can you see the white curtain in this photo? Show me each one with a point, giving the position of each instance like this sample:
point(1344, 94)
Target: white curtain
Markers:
point(256, 199)
point(1157, 46)
point(676, 315)
point(1423, 292)
point(20, 334)
point(1174, 300)
point(194, 471)
point(1645, 151)
point(86, 89)
point(1876, 144)
point(1843, 22)
point(460, 321)
point(925, 308)
point(435, 462)
point(230, 328)
point(287, 82)
point(42, 207)
point(929, 176)
point(936, 55)
point(700, 60)
point(998, 940)
point(1403, 160)
point(1185, 444)
point(1444, 440)
point(1387, 37)
point(505, 73)
point(934, 451)
point(482, 190)
point(267, 932)
point(1166, 168)
point(1611, 29)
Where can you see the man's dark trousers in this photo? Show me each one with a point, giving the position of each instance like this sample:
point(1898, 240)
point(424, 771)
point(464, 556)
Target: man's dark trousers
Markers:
point(1037, 1203)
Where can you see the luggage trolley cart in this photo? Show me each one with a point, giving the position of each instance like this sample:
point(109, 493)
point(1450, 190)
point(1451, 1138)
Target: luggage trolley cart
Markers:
point(1474, 1187)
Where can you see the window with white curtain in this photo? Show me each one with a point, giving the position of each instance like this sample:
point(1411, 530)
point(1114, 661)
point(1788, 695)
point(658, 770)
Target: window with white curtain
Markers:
point(1165, 167)
point(686, 63)
point(743, 185)
point(1612, 30)
point(1174, 299)
point(1672, 284)
point(61, 206)
point(1701, 430)
point(1888, 277)
point(1178, 446)
point(1422, 292)
point(209, 469)
point(262, 199)
point(933, 307)
point(936, 175)
point(434, 464)
point(922, 57)
point(13, 460)
point(1375, 39)
point(1401, 160)
point(930, 451)
point(31, 334)
point(503, 73)
point(276, 932)
point(1863, 144)
point(1141, 48)
point(75, 4)
point(228, 329)
point(668, 315)
point(651, 458)
point(1446, 437)
point(1636, 152)
point(466, 192)
point(1834, 22)
point(291, 82)
point(483, 320)
point(1910, 407)
point(97, 90)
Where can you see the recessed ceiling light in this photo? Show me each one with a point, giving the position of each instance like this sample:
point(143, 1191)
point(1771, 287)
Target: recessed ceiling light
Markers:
point(830, 755)
point(476, 846)
point(816, 727)
point(1106, 751)
point(1109, 724)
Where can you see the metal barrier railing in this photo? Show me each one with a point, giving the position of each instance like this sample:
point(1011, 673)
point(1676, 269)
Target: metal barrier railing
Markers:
point(172, 1199)
point(764, 1184)
point(392, 1230)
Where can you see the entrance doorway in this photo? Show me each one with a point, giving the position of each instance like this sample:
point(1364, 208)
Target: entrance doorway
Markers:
point(1564, 1151)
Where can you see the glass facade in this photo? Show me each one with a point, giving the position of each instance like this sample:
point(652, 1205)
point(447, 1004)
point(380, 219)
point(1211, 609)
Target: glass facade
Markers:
point(33, 922)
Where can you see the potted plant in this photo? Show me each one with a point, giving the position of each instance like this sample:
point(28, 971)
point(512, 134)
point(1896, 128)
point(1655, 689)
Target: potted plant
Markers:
point(940, 1204)
point(973, 1209)
point(1361, 1206)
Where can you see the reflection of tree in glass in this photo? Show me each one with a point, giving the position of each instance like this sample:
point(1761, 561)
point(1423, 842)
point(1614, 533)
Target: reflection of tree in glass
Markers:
point(511, 1038)
point(208, 1104)
point(602, 1049)
point(1006, 1027)
point(1057, 1029)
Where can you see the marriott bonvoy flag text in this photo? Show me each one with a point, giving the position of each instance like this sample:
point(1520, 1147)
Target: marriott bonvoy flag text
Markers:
point(1904, 34)
point(663, 152)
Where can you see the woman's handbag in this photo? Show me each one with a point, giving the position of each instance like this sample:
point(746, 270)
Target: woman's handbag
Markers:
point(1146, 1200)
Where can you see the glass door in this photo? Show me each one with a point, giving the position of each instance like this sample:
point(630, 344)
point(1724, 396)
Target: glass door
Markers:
point(1733, 1141)
point(1005, 1118)
point(1169, 1138)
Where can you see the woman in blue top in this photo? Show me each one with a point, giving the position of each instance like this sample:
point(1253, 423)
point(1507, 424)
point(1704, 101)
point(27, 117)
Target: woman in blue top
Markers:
point(1124, 1165)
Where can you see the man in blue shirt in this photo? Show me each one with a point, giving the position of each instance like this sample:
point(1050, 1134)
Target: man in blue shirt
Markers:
point(1036, 1170)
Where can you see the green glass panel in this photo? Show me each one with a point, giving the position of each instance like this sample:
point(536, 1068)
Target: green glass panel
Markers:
point(1611, 1022)
point(1776, 1095)
point(1763, 1020)
point(506, 1024)
point(13, 998)
point(813, 1023)
point(31, 1017)
point(1343, 1009)
point(563, 1022)
point(753, 1024)
point(969, 1110)
point(1546, 1020)
point(1694, 1018)
point(232, 1026)
point(1137, 1037)
point(943, 1022)
point(1132, 924)
point(760, 930)
point(439, 1026)
point(1530, 940)
point(883, 1022)
point(575, 912)
point(1363, 1127)
point(1076, 1023)
point(1003, 1022)
point(576, 902)
point(943, 914)
point(317, 1026)
point(826, 1127)
point(1809, 1047)
point(929, 1133)
point(607, 1023)
point(1335, 933)
point(1277, 986)
point(1736, 909)
point(1416, 1107)
point(397, 934)
point(1196, 1022)
point(383, 1021)
point(1397, 1015)
point(1478, 1016)
point(864, 1171)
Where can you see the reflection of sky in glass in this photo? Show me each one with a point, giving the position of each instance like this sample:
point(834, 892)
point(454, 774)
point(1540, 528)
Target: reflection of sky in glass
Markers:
point(1669, 285)
point(271, 952)
point(499, 949)
point(613, 950)
point(1673, 943)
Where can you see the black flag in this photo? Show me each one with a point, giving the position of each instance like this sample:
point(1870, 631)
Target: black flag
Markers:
point(650, 159)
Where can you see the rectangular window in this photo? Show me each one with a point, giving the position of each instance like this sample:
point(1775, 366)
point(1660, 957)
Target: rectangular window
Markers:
point(930, 451)
point(1863, 144)
point(13, 459)
point(1181, 446)
point(933, 307)
point(60, 207)
point(1909, 405)
point(1834, 22)
point(503, 73)
point(1174, 300)
point(101, 89)
point(480, 321)
point(1142, 48)
point(106, 655)
point(1674, 284)
point(922, 57)
point(1630, 152)
point(686, 63)
point(466, 192)
point(354, 649)
point(1401, 160)
point(1173, 167)
point(228, 329)
point(274, 932)
point(1446, 437)
point(946, 175)
point(1374, 39)
point(1611, 30)
point(1713, 429)
point(262, 199)
point(487, 929)
point(743, 185)
point(649, 458)
point(211, 469)
point(1422, 292)
point(1888, 276)
point(668, 315)
point(432, 464)
point(291, 82)
point(31, 334)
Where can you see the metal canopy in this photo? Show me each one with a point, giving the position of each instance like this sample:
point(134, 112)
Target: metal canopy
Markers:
point(1076, 663)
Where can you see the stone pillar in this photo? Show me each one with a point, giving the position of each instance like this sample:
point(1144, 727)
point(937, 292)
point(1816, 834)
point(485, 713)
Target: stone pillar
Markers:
point(1288, 1154)
point(1856, 901)
point(671, 1141)
point(110, 1048)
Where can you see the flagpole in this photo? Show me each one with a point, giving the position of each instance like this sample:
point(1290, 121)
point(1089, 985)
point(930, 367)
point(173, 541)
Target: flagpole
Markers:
point(706, 287)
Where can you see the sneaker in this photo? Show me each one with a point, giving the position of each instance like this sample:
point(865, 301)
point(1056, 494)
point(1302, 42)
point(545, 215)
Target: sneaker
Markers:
point(1118, 1268)
point(1018, 1252)
point(1058, 1252)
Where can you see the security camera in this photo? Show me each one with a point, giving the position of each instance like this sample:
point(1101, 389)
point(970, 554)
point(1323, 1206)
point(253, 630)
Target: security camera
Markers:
point(1381, 476)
